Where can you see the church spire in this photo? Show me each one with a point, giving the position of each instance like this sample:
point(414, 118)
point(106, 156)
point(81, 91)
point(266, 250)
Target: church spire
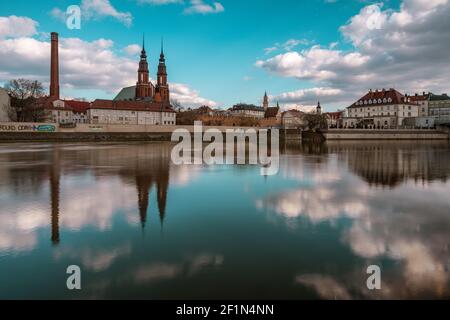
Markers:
point(162, 58)
point(143, 53)
point(143, 86)
point(265, 101)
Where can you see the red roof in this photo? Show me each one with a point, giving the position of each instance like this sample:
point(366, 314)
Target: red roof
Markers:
point(77, 106)
point(130, 105)
point(335, 115)
point(381, 97)
point(422, 97)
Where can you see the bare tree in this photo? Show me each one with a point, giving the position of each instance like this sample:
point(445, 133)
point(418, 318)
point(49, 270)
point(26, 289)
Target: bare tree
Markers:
point(316, 121)
point(177, 105)
point(23, 95)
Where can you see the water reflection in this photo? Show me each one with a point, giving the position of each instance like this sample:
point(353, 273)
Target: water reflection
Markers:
point(408, 223)
point(89, 198)
point(143, 228)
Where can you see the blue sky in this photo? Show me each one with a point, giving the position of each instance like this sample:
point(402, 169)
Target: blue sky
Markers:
point(214, 54)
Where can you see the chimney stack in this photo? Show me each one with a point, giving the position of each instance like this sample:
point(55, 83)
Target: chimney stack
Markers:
point(54, 68)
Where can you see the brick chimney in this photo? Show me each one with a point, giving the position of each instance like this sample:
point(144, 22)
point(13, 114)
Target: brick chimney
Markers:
point(54, 68)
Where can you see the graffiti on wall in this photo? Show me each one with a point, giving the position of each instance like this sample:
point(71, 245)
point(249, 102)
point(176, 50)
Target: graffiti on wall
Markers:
point(24, 127)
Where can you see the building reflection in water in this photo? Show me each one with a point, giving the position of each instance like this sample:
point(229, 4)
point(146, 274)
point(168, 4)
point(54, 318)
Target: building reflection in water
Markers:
point(55, 176)
point(385, 163)
point(391, 163)
point(393, 197)
point(144, 166)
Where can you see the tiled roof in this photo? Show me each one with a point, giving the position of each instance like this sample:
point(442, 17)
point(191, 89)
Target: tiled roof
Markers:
point(77, 106)
point(381, 97)
point(130, 105)
point(420, 97)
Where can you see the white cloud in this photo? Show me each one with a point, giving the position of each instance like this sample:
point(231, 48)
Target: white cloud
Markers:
point(199, 6)
point(15, 27)
point(287, 46)
point(58, 14)
point(406, 49)
point(188, 97)
point(161, 2)
point(309, 97)
point(132, 49)
point(85, 65)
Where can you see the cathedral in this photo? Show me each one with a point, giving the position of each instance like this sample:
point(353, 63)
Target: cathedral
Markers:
point(145, 90)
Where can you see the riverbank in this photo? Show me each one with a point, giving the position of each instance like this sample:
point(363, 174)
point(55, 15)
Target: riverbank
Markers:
point(393, 134)
point(48, 132)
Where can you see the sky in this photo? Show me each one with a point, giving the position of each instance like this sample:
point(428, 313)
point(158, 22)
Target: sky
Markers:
point(223, 52)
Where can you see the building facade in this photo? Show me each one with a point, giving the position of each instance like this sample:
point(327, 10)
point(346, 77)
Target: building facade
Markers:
point(79, 109)
point(247, 110)
point(381, 109)
point(5, 106)
point(423, 101)
point(130, 113)
point(439, 105)
point(293, 119)
point(335, 119)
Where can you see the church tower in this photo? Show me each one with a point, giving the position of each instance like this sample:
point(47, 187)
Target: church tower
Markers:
point(144, 88)
point(266, 101)
point(319, 108)
point(162, 87)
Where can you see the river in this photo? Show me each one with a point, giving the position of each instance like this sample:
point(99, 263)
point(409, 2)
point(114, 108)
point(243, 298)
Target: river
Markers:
point(141, 227)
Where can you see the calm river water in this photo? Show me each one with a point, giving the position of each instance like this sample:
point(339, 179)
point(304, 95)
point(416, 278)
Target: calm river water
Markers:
point(141, 227)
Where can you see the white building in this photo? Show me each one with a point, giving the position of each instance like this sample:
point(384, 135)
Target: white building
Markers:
point(79, 110)
point(381, 109)
point(293, 119)
point(423, 102)
point(247, 110)
point(130, 113)
point(439, 105)
point(5, 106)
point(56, 111)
